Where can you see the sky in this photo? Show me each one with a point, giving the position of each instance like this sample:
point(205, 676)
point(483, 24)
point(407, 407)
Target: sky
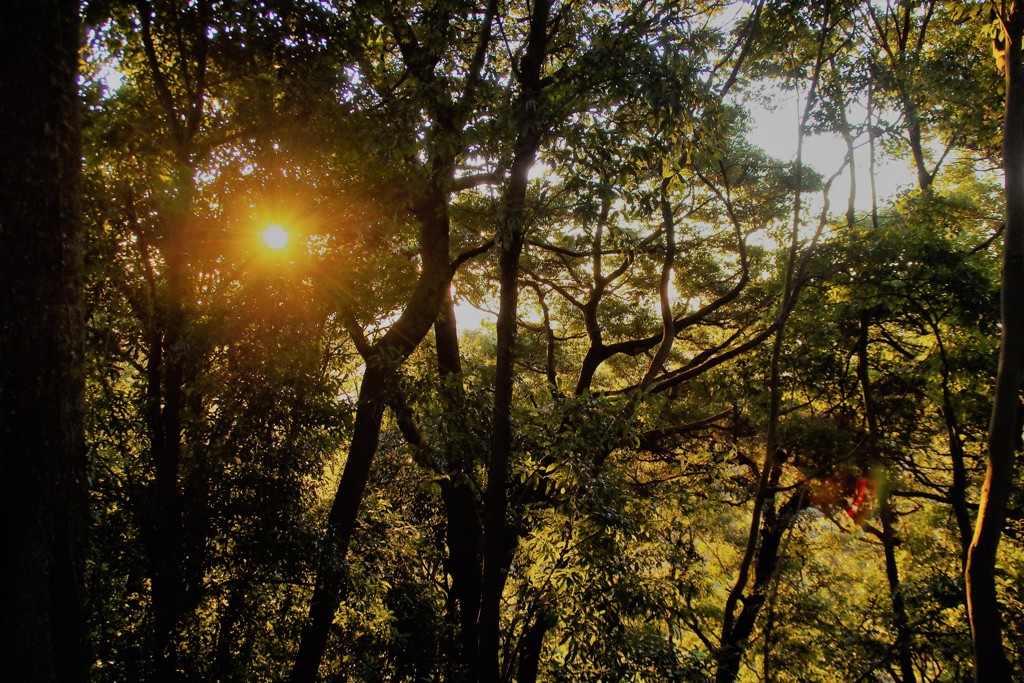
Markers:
point(775, 131)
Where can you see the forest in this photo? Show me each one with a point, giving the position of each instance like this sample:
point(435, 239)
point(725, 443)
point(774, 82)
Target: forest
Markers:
point(483, 341)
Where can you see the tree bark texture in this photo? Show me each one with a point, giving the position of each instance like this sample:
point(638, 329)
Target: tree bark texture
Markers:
point(990, 664)
point(42, 455)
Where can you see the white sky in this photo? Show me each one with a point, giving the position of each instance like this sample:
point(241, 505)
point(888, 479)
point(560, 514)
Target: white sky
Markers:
point(775, 131)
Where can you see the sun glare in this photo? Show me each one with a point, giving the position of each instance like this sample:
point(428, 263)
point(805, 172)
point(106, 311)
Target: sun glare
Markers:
point(275, 237)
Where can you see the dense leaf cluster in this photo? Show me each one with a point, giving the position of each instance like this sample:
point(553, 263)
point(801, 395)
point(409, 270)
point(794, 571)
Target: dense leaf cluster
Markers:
point(711, 426)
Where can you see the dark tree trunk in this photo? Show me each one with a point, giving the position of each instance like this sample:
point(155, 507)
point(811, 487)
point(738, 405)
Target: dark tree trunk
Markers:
point(378, 380)
point(990, 661)
point(341, 522)
point(175, 557)
point(511, 234)
point(498, 469)
point(737, 639)
point(42, 455)
point(958, 459)
point(899, 607)
point(904, 646)
point(464, 529)
point(530, 647)
point(164, 522)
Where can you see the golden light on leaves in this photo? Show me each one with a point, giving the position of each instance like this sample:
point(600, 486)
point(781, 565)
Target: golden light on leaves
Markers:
point(275, 237)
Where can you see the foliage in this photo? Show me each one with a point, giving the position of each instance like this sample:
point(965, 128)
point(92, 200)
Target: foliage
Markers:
point(663, 251)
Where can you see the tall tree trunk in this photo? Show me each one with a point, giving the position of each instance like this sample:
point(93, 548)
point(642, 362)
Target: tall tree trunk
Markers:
point(736, 630)
point(379, 378)
point(42, 448)
point(341, 521)
point(958, 459)
point(887, 514)
point(465, 537)
point(165, 514)
point(175, 559)
point(736, 640)
point(464, 529)
point(511, 235)
point(531, 644)
point(990, 663)
point(904, 646)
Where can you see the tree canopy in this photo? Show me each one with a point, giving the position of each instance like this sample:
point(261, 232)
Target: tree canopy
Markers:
point(483, 341)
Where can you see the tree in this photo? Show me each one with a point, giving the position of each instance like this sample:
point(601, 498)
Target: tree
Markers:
point(42, 447)
point(705, 438)
point(209, 401)
point(1004, 428)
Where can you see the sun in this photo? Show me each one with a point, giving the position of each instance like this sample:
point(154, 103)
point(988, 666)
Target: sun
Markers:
point(275, 237)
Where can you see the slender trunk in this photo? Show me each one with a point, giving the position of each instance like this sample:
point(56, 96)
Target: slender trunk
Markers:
point(226, 665)
point(899, 608)
point(378, 379)
point(498, 469)
point(958, 489)
point(465, 536)
point(872, 161)
point(173, 588)
point(990, 664)
point(668, 326)
point(734, 643)
point(341, 522)
point(912, 118)
point(43, 506)
point(904, 646)
point(464, 527)
point(165, 536)
point(496, 541)
point(530, 647)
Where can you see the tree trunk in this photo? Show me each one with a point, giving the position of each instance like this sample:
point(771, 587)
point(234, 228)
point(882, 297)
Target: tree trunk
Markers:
point(912, 121)
point(531, 644)
point(888, 536)
point(379, 378)
point(164, 523)
point(958, 459)
point(736, 640)
point(341, 522)
point(464, 528)
point(43, 508)
point(990, 663)
point(464, 531)
point(904, 646)
point(511, 234)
